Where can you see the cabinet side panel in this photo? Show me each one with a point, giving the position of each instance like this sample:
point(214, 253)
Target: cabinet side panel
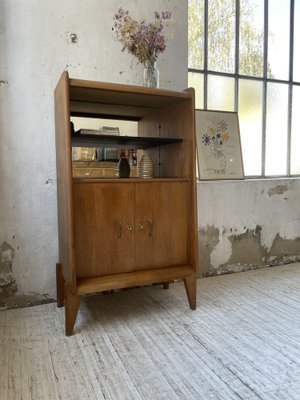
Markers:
point(64, 179)
point(179, 160)
point(193, 237)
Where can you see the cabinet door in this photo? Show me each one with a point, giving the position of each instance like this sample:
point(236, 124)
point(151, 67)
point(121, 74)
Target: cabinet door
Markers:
point(104, 236)
point(161, 224)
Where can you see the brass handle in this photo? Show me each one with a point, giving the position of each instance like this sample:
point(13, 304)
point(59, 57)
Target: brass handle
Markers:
point(150, 227)
point(141, 227)
point(119, 225)
point(129, 227)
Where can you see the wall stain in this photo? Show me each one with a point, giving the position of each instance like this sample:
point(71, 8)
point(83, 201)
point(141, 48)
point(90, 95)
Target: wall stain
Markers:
point(279, 189)
point(207, 240)
point(26, 300)
point(282, 250)
point(246, 247)
point(9, 298)
point(3, 82)
point(248, 252)
point(8, 285)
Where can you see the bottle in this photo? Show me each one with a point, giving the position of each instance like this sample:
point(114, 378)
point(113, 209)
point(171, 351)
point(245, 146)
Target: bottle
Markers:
point(123, 166)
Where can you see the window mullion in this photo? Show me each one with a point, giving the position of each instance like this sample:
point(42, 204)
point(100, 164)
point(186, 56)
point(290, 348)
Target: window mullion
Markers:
point(205, 54)
point(237, 54)
point(264, 96)
point(290, 95)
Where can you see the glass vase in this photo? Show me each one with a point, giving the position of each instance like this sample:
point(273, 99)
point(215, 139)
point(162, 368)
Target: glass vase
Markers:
point(151, 75)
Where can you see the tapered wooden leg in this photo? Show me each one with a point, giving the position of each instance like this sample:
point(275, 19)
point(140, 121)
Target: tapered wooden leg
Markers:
point(190, 287)
point(72, 304)
point(166, 285)
point(60, 286)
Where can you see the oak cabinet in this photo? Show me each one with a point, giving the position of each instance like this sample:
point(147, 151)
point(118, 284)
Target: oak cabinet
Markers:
point(145, 225)
point(119, 233)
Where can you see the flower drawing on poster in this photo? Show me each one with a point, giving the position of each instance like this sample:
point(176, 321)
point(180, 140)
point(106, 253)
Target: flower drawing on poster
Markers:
point(216, 138)
point(218, 142)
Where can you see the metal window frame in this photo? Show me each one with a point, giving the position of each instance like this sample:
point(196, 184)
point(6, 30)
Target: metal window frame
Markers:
point(264, 79)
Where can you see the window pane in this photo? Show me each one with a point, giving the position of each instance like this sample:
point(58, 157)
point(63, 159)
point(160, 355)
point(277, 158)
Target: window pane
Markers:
point(195, 80)
point(297, 42)
point(250, 118)
point(295, 145)
point(278, 43)
point(196, 33)
point(276, 132)
point(251, 59)
point(221, 35)
point(220, 93)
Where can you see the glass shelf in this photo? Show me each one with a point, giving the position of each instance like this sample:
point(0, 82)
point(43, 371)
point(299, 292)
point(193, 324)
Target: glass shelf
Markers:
point(137, 142)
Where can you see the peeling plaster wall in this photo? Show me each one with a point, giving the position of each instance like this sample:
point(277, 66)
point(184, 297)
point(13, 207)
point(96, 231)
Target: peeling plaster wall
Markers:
point(248, 224)
point(38, 41)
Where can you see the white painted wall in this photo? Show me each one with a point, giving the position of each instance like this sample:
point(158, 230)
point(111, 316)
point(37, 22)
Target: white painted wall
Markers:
point(35, 49)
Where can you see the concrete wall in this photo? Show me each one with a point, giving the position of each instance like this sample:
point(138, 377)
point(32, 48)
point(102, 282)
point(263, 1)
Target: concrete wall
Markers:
point(38, 41)
point(248, 224)
point(241, 224)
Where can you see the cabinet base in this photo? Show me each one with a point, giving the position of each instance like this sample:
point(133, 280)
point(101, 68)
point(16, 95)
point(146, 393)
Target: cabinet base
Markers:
point(85, 286)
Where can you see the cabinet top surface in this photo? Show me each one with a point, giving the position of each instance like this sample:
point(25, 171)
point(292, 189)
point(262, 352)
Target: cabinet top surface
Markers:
point(93, 99)
point(120, 100)
point(80, 85)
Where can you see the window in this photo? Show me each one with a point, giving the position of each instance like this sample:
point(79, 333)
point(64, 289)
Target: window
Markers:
point(244, 55)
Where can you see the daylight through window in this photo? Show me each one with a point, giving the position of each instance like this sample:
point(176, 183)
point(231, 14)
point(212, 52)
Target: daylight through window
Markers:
point(244, 56)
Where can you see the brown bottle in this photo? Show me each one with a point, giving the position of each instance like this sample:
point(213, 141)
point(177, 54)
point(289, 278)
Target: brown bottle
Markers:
point(123, 166)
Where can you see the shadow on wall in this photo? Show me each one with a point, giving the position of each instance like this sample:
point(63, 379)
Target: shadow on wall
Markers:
point(247, 251)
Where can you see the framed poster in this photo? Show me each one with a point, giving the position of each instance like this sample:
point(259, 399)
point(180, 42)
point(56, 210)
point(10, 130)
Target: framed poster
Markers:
point(218, 145)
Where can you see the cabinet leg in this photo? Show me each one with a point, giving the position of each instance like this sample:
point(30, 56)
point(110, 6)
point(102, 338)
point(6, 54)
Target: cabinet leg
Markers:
point(166, 285)
point(190, 287)
point(71, 309)
point(60, 286)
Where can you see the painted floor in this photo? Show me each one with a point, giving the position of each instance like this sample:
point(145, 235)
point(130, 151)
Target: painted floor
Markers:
point(242, 342)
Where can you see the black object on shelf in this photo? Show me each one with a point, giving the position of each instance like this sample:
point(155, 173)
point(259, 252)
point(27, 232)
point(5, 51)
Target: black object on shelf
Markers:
point(138, 142)
point(123, 166)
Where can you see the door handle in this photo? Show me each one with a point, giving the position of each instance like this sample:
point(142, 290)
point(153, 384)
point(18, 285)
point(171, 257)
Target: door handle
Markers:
point(150, 227)
point(119, 227)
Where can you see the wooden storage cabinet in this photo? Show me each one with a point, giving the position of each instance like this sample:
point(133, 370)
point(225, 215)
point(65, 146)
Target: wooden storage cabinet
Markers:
point(118, 233)
point(145, 225)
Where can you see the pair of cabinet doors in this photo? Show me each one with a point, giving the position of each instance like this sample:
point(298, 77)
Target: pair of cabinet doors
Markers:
point(124, 227)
